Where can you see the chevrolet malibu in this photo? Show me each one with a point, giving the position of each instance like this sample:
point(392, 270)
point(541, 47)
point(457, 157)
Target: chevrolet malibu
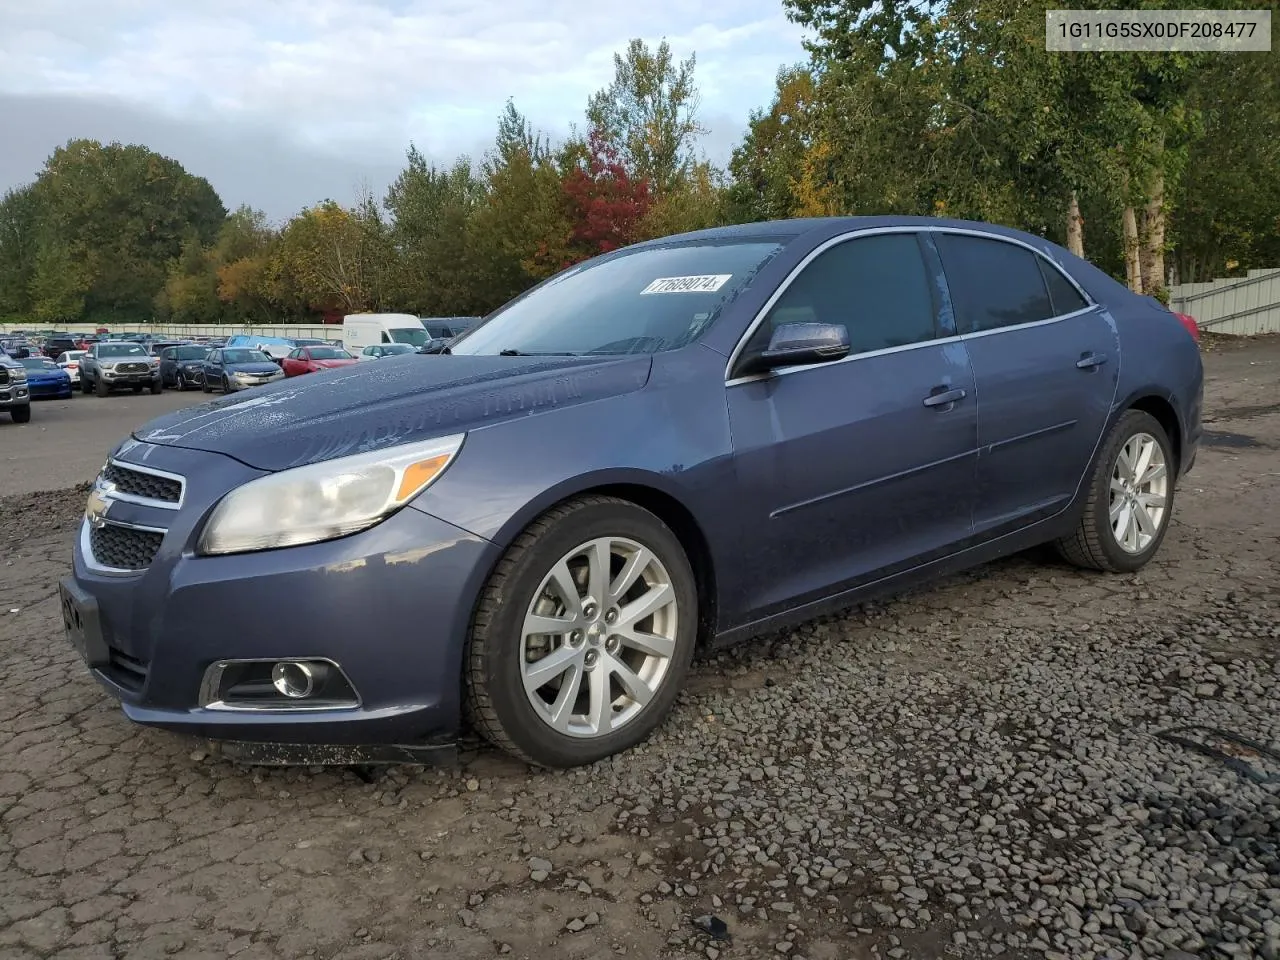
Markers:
point(676, 445)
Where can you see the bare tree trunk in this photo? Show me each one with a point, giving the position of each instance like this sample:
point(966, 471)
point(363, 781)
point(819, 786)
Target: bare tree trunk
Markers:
point(1132, 266)
point(1153, 230)
point(1075, 226)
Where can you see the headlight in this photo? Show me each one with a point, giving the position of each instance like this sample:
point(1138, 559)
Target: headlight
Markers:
point(326, 500)
point(19, 375)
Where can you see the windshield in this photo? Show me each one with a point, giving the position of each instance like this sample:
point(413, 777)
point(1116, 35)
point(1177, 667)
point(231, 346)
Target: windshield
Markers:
point(393, 348)
point(190, 353)
point(36, 363)
point(329, 353)
point(416, 336)
point(121, 350)
point(245, 356)
point(647, 301)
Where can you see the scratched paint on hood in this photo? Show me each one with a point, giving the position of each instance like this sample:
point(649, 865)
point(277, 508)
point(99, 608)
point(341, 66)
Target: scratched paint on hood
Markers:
point(400, 399)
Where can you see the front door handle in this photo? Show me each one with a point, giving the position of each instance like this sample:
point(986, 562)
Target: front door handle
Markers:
point(1090, 361)
point(944, 398)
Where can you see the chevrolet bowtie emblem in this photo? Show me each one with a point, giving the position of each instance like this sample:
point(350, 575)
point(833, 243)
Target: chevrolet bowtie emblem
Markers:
point(99, 503)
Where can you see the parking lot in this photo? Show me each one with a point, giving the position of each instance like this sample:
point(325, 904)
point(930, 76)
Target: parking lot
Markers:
point(983, 768)
point(67, 440)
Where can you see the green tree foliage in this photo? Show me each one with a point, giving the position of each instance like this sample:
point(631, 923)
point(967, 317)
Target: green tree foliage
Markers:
point(649, 114)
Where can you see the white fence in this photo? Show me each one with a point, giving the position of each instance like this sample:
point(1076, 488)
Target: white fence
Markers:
point(320, 331)
point(1239, 306)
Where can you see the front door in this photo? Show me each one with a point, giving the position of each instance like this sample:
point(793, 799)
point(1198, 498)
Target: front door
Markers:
point(1047, 368)
point(854, 469)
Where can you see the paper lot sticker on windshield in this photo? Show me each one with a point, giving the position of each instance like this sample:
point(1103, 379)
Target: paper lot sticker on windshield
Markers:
point(709, 283)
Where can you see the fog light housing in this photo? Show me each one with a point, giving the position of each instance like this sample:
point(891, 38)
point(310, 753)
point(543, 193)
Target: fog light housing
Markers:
point(303, 683)
point(296, 679)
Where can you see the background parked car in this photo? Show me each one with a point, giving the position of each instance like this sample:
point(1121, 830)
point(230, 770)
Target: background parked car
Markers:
point(70, 362)
point(376, 351)
point(156, 347)
point(15, 398)
point(46, 380)
point(314, 359)
point(111, 364)
point(236, 368)
point(182, 366)
point(60, 343)
point(276, 348)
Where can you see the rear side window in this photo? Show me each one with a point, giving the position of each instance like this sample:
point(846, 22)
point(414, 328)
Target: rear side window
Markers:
point(875, 286)
point(993, 284)
point(1064, 297)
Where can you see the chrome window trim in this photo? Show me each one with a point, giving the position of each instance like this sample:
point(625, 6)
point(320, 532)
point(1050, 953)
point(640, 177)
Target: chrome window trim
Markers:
point(763, 312)
point(212, 680)
point(117, 494)
point(86, 550)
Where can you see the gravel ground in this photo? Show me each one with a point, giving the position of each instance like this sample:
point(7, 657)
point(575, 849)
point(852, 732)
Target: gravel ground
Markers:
point(1026, 761)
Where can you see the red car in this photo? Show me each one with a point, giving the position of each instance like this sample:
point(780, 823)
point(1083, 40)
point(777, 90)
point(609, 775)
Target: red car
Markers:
point(312, 359)
point(1189, 322)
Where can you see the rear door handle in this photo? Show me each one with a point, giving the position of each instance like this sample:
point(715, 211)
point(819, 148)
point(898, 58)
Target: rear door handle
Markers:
point(1089, 361)
point(945, 398)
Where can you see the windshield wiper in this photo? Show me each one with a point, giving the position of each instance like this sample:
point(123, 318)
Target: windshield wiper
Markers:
point(521, 353)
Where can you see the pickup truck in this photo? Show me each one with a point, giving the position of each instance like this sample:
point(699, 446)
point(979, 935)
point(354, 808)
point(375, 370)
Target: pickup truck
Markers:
point(111, 364)
point(15, 395)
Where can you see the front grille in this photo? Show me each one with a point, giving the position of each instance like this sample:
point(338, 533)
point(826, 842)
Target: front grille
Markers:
point(129, 672)
point(123, 548)
point(4, 374)
point(146, 485)
point(132, 367)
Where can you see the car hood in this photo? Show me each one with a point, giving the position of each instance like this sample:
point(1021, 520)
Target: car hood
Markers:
point(34, 375)
point(255, 366)
point(402, 399)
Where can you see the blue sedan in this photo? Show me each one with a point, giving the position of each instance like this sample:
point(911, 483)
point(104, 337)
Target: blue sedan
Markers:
point(680, 444)
point(46, 379)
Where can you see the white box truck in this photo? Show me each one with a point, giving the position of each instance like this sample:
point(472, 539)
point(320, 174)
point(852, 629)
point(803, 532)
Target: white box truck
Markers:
point(360, 330)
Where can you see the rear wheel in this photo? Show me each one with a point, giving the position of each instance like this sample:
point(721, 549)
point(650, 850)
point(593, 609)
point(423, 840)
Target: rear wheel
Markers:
point(1130, 499)
point(583, 636)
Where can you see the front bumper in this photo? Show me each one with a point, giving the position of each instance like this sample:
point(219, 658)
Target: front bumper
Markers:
point(116, 379)
point(14, 395)
point(50, 391)
point(391, 606)
point(245, 383)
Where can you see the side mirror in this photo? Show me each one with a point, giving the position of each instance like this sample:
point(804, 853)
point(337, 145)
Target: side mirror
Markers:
point(795, 344)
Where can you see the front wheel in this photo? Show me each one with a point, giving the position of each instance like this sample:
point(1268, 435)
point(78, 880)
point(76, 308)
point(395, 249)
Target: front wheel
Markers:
point(1129, 501)
point(100, 388)
point(181, 382)
point(226, 385)
point(21, 414)
point(156, 387)
point(583, 635)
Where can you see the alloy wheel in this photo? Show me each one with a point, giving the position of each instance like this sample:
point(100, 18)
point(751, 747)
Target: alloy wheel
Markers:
point(598, 637)
point(1139, 493)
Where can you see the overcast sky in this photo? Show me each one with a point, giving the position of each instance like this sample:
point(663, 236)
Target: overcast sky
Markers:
point(281, 103)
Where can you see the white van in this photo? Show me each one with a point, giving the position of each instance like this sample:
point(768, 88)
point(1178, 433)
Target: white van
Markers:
point(360, 330)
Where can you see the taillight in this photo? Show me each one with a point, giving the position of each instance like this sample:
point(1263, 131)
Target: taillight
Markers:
point(1189, 322)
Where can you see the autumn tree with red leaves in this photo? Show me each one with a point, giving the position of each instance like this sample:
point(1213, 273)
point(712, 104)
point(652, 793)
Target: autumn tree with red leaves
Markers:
point(606, 203)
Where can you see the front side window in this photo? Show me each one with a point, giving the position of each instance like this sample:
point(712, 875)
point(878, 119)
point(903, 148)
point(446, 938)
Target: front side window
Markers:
point(993, 283)
point(876, 287)
point(642, 301)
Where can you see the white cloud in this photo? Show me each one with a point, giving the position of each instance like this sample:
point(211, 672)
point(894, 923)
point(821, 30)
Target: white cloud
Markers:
point(356, 80)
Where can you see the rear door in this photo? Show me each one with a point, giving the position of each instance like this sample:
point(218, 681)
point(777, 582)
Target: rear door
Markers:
point(851, 470)
point(1046, 361)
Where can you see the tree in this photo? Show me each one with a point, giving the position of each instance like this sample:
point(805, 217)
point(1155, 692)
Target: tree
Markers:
point(771, 157)
point(606, 203)
point(328, 256)
point(431, 211)
point(648, 115)
point(19, 219)
point(118, 214)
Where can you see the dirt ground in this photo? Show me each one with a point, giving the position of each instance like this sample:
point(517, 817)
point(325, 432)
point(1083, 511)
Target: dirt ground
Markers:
point(117, 841)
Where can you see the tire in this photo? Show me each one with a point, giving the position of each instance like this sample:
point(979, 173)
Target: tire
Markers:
point(157, 387)
point(226, 384)
point(84, 385)
point(180, 382)
point(21, 414)
point(497, 704)
point(204, 385)
point(1095, 545)
point(100, 388)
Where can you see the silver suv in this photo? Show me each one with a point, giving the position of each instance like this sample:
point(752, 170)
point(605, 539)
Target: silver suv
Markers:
point(119, 363)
